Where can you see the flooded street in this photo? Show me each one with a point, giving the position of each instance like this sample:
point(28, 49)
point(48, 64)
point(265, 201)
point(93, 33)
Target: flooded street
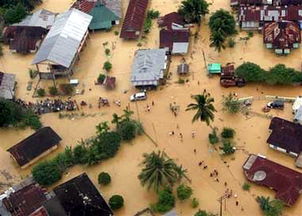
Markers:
point(251, 133)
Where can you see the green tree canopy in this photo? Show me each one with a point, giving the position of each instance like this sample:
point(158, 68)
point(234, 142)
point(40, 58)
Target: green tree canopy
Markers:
point(104, 178)
point(46, 173)
point(204, 107)
point(184, 192)
point(270, 207)
point(193, 10)
point(116, 202)
point(231, 104)
point(166, 201)
point(159, 171)
point(250, 72)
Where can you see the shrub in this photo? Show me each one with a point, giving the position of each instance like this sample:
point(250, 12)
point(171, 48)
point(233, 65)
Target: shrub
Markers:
point(116, 33)
point(270, 207)
point(153, 14)
point(231, 104)
point(1, 49)
point(80, 154)
point(231, 42)
point(104, 178)
point(31, 120)
point(181, 81)
point(184, 192)
point(46, 173)
point(250, 34)
point(127, 130)
point(116, 202)
point(107, 51)
point(107, 144)
point(201, 213)
point(32, 73)
point(15, 14)
point(166, 201)
point(107, 66)
point(147, 25)
point(251, 72)
point(53, 90)
point(227, 147)
point(41, 92)
point(246, 186)
point(213, 138)
point(228, 132)
point(67, 89)
point(101, 78)
point(194, 203)
point(281, 75)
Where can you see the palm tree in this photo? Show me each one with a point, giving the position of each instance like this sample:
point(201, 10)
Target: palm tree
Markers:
point(204, 106)
point(159, 171)
point(217, 40)
point(264, 202)
point(193, 10)
point(127, 114)
point(116, 120)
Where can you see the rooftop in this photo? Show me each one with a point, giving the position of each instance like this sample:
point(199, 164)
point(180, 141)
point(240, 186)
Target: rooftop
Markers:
point(34, 145)
point(286, 182)
point(282, 34)
point(134, 19)
point(7, 85)
point(148, 67)
point(79, 197)
point(286, 135)
point(171, 18)
point(169, 37)
point(64, 38)
point(41, 18)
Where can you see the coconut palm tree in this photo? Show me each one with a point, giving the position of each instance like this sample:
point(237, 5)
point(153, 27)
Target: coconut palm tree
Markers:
point(217, 41)
point(204, 107)
point(193, 10)
point(159, 171)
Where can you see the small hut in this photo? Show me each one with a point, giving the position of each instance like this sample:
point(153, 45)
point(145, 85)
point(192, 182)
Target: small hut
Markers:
point(214, 68)
point(183, 69)
point(109, 82)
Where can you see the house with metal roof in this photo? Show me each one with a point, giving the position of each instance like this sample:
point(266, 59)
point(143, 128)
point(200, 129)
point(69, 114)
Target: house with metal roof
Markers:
point(281, 36)
point(37, 145)
point(173, 21)
point(7, 85)
point(286, 182)
point(176, 41)
point(134, 19)
point(41, 18)
point(149, 68)
point(61, 47)
point(214, 68)
point(105, 13)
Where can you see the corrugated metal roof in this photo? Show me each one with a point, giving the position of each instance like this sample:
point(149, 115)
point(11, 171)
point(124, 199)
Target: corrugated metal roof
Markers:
point(63, 40)
point(7, 85)
point(41, 18)
point(148, 67)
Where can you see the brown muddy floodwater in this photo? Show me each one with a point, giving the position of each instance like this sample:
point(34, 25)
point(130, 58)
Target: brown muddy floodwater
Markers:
point(251, 135)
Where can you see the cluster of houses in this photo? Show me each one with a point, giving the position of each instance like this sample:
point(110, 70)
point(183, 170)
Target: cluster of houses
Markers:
point(279, 20)
point(77, 196)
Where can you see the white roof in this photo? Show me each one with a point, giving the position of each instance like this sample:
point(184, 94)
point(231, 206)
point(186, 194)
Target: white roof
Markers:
point(297, 103)
point(41, 18)
point(64, 38)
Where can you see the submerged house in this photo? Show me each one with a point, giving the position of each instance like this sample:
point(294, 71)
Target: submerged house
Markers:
point(254, 17)
point(149, 68)
point(286, 137)
point(61, 47)
point(34, 147)
point(7, 85)
point(26, 36)
point(105, 13)
point(172, 21)
point(77, 197)
point(286, 182)
point(281, 36)
point(134, 19)
point(176, 41)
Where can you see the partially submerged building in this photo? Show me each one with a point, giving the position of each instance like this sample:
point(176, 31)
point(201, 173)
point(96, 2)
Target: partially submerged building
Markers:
point(77, 197)
point(176, 41)
point(7, 85)
point(149, 68)
point(286, 182)
point(23, 199)
point(61, 47)
point(134, 19)
point(105, 13)
point(172, 21)
point(281, 36)
point(286, 137)
point(235, 3)
point(254, 17)
point(37, 145)
point(183, 69)
point(26, 36)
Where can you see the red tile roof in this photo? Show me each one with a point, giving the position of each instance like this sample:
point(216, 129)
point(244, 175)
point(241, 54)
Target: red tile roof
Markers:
point(168, 19)
point(281, 34)
point(168, 37)
point(25, 201)
point(286, 135)
point(84, 5)
point(286, 182)
point(134, 19)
